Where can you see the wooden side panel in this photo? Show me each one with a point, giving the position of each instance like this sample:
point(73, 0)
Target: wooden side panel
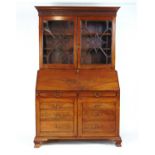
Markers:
point(37, 109)
point(97, 116)
point(118, 114)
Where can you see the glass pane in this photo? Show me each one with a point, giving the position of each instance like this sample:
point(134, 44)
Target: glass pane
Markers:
point(58, 42)
point(96, 42)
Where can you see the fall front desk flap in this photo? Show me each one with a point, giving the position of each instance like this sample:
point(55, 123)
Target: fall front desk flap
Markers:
point(48, 79)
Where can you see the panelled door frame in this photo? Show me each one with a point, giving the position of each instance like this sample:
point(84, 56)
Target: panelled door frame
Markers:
point(57, 18)
point(89, 100)
point(95, 18)
point(39, 100)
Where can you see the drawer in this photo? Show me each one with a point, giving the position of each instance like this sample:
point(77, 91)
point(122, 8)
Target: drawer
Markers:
point(99, 115)
point(106, 106)
point(56, 94)
point(108, 126)
point(57, 103)
point(56, 106)
point(56, 115)
point(97, 94)
point(51, 126)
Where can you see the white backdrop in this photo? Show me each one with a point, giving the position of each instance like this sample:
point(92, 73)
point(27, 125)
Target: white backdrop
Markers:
point(19, 61)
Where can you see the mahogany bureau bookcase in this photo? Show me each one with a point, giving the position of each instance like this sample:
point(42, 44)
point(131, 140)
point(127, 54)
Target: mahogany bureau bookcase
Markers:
point(77, 88)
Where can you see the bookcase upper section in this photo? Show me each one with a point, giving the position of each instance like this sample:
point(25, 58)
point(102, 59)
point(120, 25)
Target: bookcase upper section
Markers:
point(77, 37)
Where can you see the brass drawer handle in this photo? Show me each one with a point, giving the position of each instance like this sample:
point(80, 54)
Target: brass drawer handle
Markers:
point(43, 94)
point(58, 94)
point(97, 106)
point(57, 106)
point(97, 94)
point(60, 126)
point(58, 116)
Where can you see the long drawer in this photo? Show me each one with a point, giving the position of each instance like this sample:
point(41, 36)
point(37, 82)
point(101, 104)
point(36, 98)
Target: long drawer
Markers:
point(56, 115)
point(51, 126)
point(57, 94)
point(99, 115)
point(57, 103)
point(99, 105)
point(92, 127)
point(97, 94)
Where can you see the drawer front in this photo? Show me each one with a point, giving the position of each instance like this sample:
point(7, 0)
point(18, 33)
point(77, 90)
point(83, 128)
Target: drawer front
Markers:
point(55, 128)
point(58, 116)
point(99, 105)
point(57, 105)
point(51, 126)
point(97, 117)
point(99, 127)
point(57, 94)
point(97, 94)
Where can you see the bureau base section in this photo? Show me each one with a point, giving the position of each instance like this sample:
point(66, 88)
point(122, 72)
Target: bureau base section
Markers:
point(38, 141)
